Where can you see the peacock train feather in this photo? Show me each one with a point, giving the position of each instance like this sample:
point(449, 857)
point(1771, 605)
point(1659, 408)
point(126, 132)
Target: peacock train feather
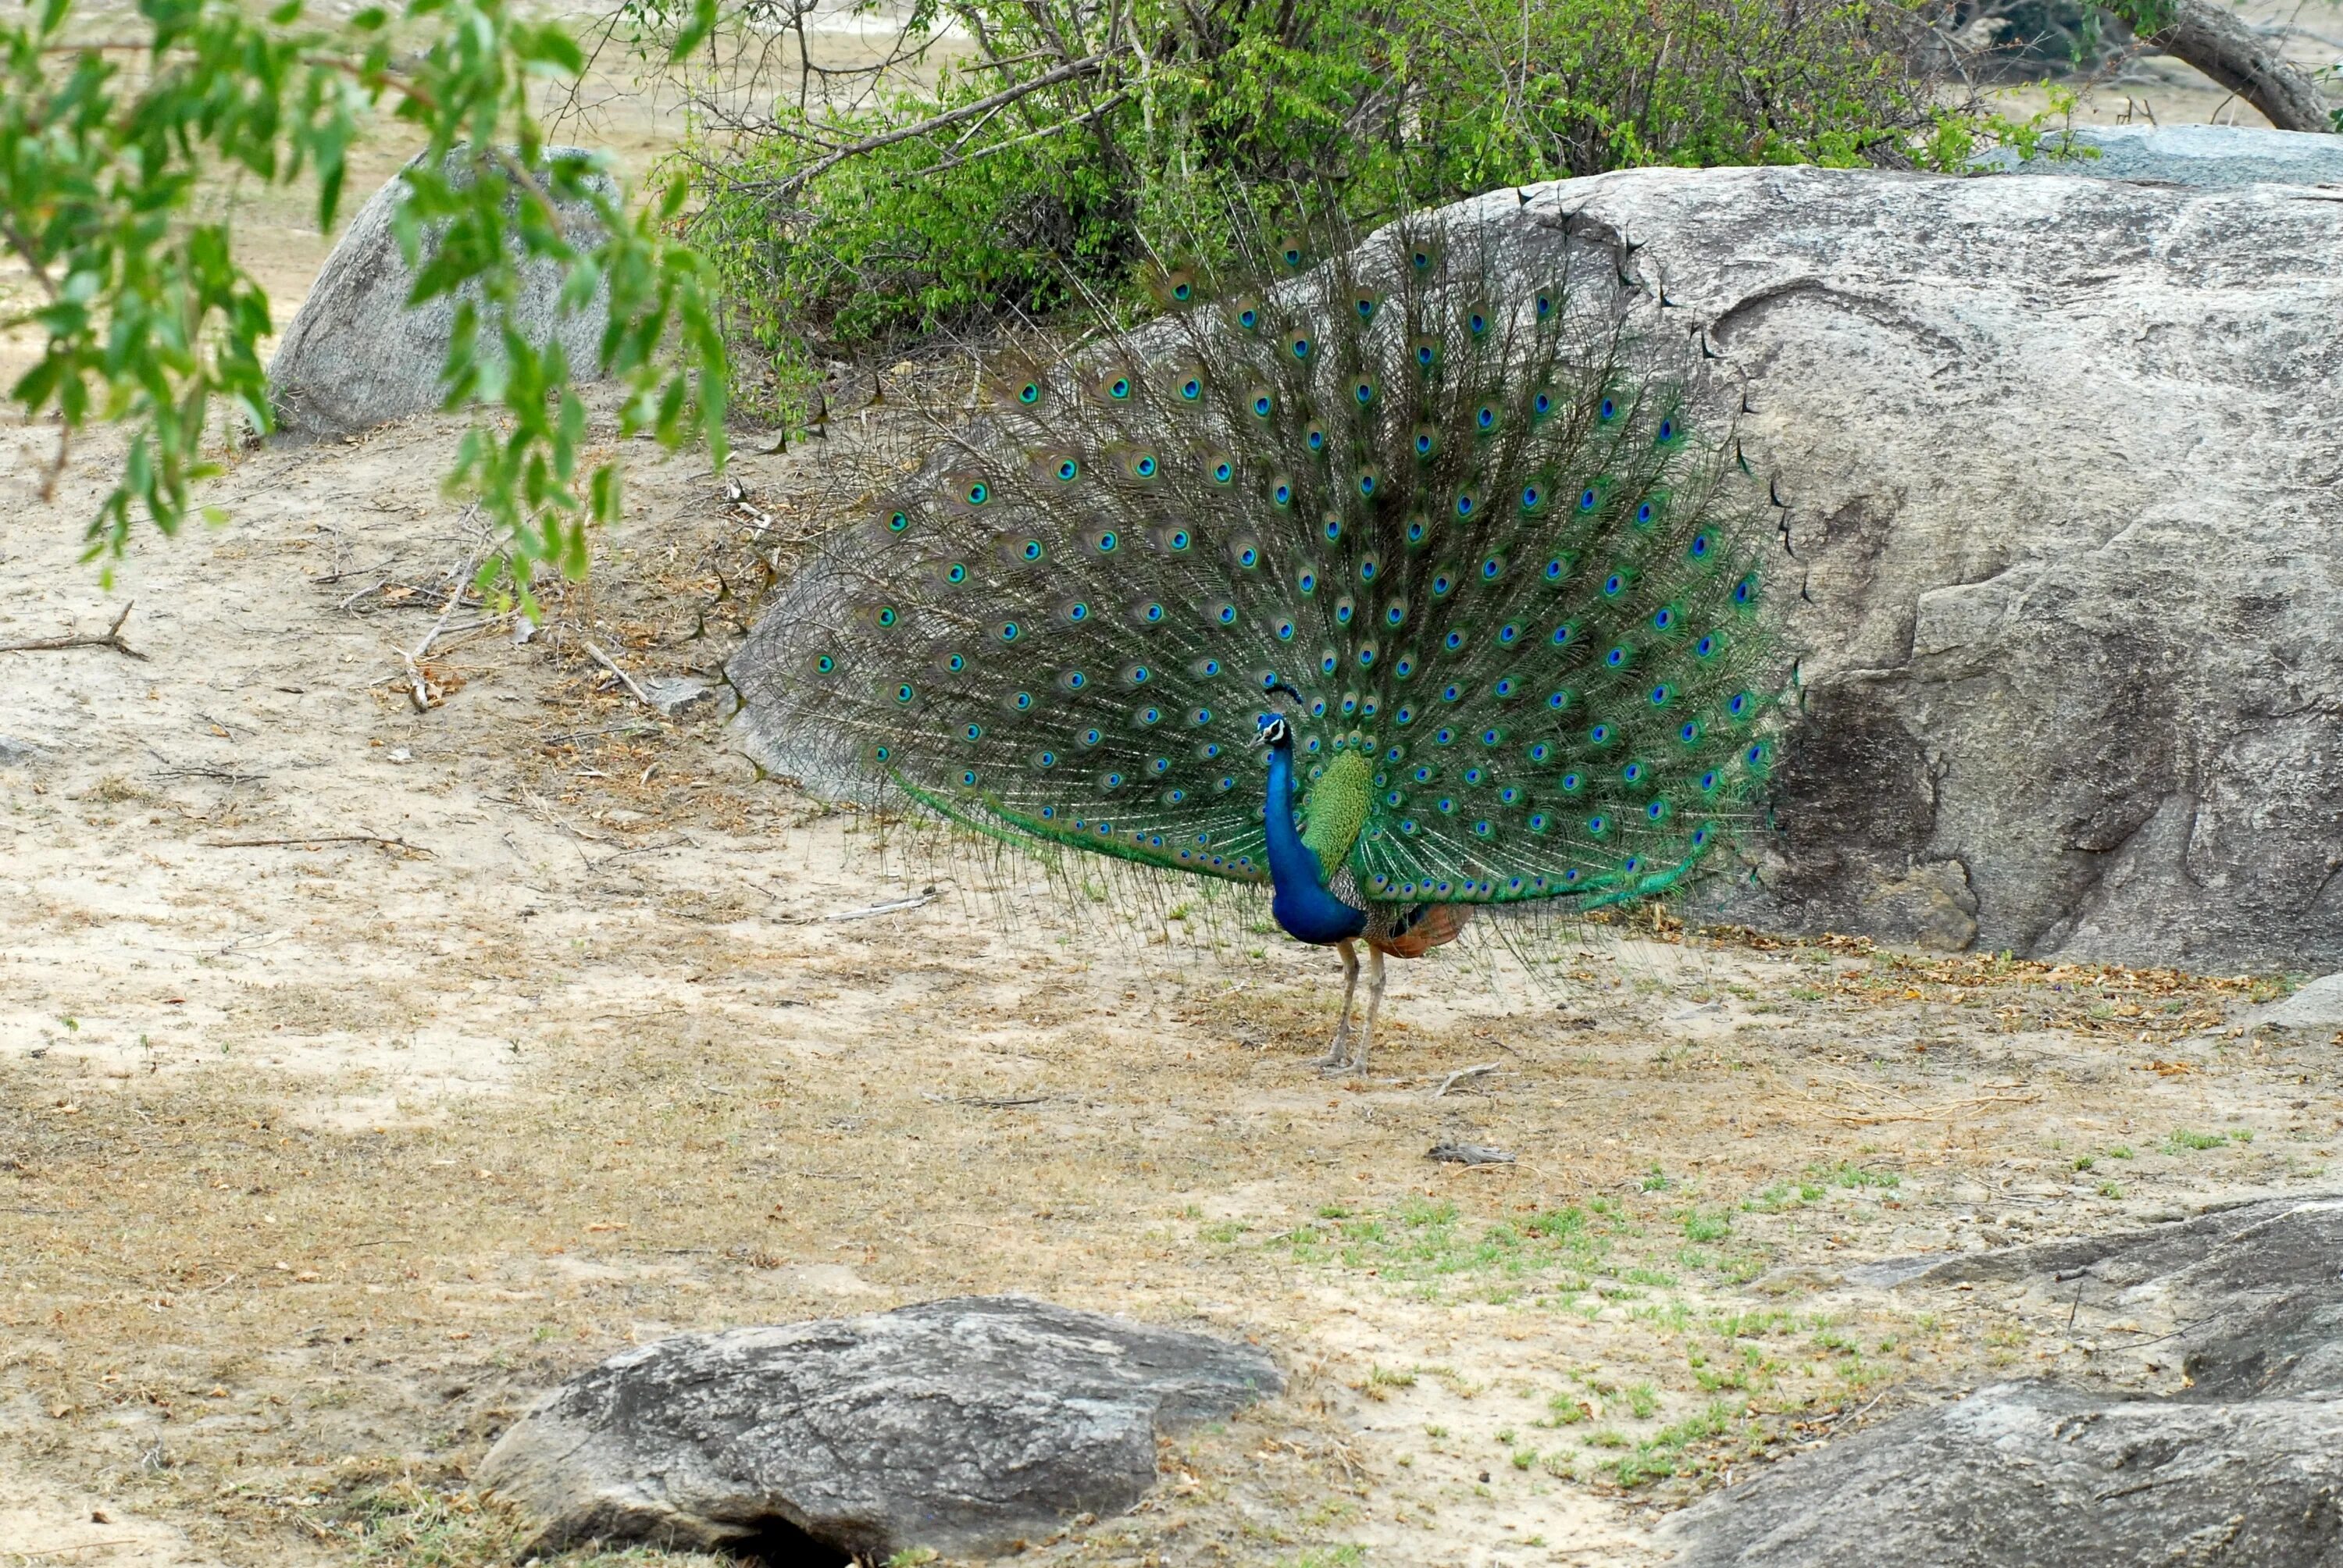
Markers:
point(1456, 526)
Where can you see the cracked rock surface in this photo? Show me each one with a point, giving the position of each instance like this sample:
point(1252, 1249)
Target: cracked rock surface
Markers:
point(962, 1426)
point(2061, 460)
point(2237, 1461)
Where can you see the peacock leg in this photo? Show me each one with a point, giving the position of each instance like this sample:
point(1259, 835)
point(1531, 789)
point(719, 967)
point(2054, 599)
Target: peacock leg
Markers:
point(1374, 1005)
point(1338, 1053)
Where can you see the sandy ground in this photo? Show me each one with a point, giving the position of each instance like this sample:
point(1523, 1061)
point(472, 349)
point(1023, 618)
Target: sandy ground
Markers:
point(322, 1157)
point(364, 1071)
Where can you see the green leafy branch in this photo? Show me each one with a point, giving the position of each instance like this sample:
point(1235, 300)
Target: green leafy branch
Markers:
point(150, 322)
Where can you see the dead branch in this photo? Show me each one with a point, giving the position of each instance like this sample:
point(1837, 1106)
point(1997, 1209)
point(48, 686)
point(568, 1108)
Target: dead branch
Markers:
point(2213, 39)
point(1937, 1113)
point(1087, 66)
point(606, 662)
point(1454, 1078)
point(925, 896)
point(113, 640)
point(321, 838)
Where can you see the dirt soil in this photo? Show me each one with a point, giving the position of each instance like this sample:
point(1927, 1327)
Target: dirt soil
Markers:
point(366, 1069)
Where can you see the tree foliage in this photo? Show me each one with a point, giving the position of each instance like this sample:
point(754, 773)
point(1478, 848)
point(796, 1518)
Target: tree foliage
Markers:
point(1007, 150)
point(150, 320)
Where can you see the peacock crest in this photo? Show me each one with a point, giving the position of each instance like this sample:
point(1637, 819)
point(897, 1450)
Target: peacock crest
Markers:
point(1458, 525)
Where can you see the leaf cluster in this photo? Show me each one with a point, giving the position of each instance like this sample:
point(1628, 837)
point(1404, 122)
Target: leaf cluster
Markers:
point(1035, 157)
point(150, 321)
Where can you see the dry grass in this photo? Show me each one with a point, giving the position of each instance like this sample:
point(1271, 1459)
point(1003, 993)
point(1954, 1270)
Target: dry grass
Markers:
point(316, 1165)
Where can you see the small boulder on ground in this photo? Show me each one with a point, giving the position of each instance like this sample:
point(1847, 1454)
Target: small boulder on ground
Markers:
point(2239, 1460)
point(356, 356)
point(963, 1426)
point(2208, 156)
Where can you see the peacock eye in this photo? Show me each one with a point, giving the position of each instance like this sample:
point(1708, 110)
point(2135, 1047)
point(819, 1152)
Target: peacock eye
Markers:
point(825, 664)
point(1261, 405)
point(1030, 393)
point(1192, 389)
point(1106, 542)
point(898, 521)
point(1610, 411)
point(1118, 388)
point(979, 493)
point(1222, 473)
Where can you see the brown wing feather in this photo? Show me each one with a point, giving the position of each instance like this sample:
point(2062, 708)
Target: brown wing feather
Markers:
point(1403, 932)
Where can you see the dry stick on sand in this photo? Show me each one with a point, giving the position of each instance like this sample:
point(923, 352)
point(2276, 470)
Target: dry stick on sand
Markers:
point(321, 838)
point(113, 640)
point(1454, 1078)
point(606, 662)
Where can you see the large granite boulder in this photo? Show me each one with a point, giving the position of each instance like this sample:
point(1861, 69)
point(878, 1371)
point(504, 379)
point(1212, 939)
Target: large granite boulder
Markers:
point(356, 356)
point(962, 1426)
point(2214, 1435)
point(2061, 456)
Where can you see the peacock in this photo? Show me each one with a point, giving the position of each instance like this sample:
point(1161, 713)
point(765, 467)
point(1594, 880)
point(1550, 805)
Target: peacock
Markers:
point(1404, 583)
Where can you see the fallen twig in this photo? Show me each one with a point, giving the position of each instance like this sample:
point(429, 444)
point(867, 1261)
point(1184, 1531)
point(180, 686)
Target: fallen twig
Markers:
point(606, 662)
point(321, 838)
point(1937, 1113)
point(1462, 1073)
point(370, 587)
point(925, 896)
point(113, 640)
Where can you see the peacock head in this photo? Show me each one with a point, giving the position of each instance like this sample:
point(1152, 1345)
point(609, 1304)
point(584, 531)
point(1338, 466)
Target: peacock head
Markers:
point(1274, 732)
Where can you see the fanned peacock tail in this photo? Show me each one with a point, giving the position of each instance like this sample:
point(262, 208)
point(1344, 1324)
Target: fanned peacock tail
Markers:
point(1460, 528)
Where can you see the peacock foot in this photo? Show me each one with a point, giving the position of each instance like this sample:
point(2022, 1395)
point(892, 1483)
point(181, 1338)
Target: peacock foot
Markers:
point(1338, 1055)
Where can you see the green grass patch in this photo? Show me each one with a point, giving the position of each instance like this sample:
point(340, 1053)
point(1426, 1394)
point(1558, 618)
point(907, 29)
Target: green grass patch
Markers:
point(1663, 1453)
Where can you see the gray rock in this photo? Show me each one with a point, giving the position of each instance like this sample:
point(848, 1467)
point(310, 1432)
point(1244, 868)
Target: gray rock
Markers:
point(2066, 547)
point(2242, 1464)
point(2023, 1475)
point(672, 695)
point(355, 356)
point(2224, 156)
point(2316, 1006)
point(15, 753)
point(962, 1425)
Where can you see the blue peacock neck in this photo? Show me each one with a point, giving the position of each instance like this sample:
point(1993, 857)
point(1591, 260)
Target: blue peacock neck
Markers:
point(1301, 906)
